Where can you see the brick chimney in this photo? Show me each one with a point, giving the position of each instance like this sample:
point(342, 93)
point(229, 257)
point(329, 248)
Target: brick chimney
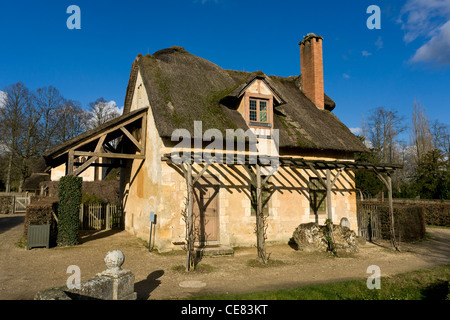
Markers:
point(311, 63)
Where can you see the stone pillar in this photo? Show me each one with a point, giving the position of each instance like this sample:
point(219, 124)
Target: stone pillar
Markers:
point(122, 280)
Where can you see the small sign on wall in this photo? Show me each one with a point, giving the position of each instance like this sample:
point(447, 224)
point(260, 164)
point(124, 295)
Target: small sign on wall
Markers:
point(152, 217)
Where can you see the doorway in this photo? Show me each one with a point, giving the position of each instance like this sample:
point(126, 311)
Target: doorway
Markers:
point(206, 210)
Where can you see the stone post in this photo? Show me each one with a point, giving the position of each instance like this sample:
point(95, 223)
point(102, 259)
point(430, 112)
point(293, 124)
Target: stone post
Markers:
point(122, 280)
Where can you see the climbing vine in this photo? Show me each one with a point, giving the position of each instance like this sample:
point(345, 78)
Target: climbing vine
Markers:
point(328, 234)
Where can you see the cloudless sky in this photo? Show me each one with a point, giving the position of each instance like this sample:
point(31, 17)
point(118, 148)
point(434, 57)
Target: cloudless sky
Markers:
point(363, 68)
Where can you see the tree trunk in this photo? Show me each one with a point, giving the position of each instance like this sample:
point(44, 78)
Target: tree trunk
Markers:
point(8, 177)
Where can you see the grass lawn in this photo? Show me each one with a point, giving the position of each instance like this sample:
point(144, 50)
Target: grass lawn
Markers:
point(418, 285)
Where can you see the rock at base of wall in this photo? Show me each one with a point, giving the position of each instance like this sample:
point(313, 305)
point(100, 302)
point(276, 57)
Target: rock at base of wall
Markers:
point(310, 237)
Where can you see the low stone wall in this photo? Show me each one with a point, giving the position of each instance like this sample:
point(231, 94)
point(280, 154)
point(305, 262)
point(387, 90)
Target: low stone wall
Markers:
point(112, 284)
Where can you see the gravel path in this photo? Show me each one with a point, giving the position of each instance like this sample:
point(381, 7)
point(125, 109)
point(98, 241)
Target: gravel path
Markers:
point(25, 272)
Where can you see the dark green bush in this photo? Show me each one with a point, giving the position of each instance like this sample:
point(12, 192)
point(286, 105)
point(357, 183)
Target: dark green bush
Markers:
point(68, 210)
point(88, 198)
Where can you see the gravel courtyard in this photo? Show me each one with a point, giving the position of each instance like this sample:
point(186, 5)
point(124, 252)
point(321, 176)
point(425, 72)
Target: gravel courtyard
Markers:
point(25, 272)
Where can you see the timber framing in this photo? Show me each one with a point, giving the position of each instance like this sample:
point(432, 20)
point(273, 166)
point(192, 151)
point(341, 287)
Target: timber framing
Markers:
point(253, 165)
point(123, 138)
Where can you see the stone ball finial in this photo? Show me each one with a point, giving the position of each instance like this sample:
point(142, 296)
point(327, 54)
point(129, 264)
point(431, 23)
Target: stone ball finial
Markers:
point(114, 260)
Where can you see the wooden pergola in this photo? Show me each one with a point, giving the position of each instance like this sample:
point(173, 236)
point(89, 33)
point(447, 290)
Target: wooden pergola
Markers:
point(253, 166)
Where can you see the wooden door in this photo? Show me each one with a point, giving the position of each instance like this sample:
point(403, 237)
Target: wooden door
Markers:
point(206, 212)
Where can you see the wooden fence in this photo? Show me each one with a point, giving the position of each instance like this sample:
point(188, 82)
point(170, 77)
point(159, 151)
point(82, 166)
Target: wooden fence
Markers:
point(20, 203)
point(369, 226)
point(14, 202)
point(100, 216)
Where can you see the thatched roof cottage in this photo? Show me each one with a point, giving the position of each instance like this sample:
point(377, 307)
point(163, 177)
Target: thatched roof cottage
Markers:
point(176, 101)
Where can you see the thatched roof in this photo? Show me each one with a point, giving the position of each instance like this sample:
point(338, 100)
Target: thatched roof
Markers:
point(183, 88)
point(33, 182)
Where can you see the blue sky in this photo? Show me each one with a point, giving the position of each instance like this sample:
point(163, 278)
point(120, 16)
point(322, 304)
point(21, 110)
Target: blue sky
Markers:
point(407, 59)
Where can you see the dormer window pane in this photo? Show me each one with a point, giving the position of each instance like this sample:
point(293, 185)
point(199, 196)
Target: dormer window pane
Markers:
point(253, 111)
point(263, 111)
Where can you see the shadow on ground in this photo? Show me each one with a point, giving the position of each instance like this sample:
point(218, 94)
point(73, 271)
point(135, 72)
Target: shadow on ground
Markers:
point(10, 221)
point(436, 291)
point(90, 235)
point(145, 287)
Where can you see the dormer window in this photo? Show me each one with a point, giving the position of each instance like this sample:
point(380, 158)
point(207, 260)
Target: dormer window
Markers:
point(256, 100)
point(259, 114)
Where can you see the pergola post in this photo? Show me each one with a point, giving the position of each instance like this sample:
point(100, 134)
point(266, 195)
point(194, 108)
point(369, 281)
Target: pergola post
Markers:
point(260, 237)
point(329, 210)
point(190, 218)
point(391, 212)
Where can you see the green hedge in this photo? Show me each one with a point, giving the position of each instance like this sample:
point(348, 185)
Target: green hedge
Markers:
point(409, 222)
point(69, 195)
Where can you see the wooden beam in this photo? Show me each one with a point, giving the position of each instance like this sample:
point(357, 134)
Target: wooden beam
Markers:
point(391, 213)
point(190, 218)
point(380, 176)
point(109, 155)
point(144, 134)
point(336, 177)
point(84, 166)
point(318, 175)
point(88, 140)
point(250, 173)
point(132, 139)
point(201, 173)
point(100, 142)
point(70, 161)
point(260, 240)
point(328, 186)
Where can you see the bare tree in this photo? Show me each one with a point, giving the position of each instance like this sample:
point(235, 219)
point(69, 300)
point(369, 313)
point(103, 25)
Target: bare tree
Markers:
point(72, 121)
point(11, 124)
point(28, 139)
point(421, 137)
point(441, 137)
point(102, 112)
point(385, 126)
point(48, 101)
